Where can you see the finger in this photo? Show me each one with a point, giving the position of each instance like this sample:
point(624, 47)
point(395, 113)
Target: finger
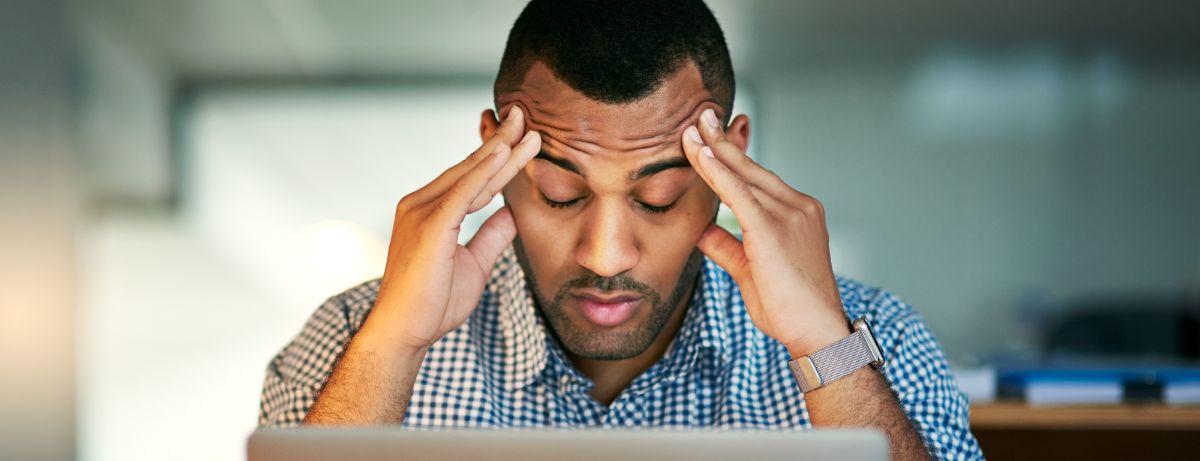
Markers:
point(492, 238)
point(524, 151)
point(713, 135)
point(506, 135)
point(453, 204)
point(724, 249)
point(729, 187)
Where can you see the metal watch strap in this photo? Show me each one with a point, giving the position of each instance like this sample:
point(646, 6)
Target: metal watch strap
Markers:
point(832, 362)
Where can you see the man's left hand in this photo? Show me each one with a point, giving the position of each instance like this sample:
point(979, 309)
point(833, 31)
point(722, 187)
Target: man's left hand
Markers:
point(782, 262)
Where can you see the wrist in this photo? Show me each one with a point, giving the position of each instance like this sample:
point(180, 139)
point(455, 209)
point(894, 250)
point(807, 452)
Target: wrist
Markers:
point(813, 370)
point(380, 337)
point(818, 337)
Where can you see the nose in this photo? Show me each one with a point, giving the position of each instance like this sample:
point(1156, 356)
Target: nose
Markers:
point(608, 245)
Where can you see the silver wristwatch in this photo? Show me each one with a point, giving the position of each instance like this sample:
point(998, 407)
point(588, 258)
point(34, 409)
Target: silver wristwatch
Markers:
point(838, 359)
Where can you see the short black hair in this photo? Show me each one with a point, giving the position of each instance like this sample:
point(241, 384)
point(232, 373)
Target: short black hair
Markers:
point(618, 51)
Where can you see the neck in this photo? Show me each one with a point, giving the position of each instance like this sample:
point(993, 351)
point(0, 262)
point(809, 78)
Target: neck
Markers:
point(610, 377)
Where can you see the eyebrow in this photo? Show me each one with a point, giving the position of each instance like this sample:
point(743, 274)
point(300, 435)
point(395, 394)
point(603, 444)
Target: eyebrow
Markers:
point(648, 170)
point(561, 162)
point(660, 166)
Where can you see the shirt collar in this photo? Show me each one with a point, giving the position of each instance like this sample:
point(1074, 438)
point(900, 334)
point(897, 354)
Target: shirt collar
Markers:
point(513, 341)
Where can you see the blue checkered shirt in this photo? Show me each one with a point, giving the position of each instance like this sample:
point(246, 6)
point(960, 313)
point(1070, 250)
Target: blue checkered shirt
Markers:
point(502, 368)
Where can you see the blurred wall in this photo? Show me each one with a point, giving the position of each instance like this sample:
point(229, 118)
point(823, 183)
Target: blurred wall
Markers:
point(124, 112)
point(988, 184)
point(38, 206)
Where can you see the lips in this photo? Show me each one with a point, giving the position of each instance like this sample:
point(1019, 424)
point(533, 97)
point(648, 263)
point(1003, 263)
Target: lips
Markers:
point(607, 311)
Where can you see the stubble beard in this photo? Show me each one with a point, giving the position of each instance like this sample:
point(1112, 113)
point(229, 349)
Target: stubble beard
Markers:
point(598, 346)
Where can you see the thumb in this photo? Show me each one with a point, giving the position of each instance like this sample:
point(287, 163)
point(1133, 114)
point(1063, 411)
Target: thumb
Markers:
point(724, 249)
point(492, 238)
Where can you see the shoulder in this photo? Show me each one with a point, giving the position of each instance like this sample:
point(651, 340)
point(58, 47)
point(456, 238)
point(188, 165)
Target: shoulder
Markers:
point(351, 308)
point(887, 313)
point(876, 304)
point(896, 324)
point(916, 368)
point(898, 327)
point(355, 303)
point(312, 353)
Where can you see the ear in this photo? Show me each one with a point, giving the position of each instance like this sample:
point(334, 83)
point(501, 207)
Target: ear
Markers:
point(488, 123)
point(739, 132)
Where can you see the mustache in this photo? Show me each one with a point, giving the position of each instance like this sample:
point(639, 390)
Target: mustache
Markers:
point(614, 283)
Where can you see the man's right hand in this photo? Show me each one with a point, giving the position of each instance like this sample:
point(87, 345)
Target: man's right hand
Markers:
point(431, 283)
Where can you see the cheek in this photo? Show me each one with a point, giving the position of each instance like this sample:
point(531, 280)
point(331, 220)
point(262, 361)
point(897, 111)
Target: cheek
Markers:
point(695, 211)
point(533, 218)
point(546, 246)
point(668, 244)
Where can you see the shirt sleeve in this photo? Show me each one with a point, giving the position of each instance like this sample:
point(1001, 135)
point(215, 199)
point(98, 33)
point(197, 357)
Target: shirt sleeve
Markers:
point(296, 375)
point(921, 378)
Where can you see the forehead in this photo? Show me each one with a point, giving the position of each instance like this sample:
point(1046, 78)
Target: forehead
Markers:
point(570, 122)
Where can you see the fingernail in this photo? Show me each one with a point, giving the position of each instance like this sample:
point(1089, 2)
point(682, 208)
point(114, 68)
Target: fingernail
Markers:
point(528, 135)
point(710, 118)
point(706, 151)
point(694, 134)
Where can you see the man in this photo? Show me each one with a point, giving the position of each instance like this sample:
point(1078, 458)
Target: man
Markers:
point(603, 294)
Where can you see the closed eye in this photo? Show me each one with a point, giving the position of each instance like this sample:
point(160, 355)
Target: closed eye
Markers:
point(646, 206)
point(557, 204)
point(658, 209)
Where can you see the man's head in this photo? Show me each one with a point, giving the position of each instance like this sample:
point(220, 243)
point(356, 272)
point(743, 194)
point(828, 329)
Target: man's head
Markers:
point(617, 51)
point(609, 213)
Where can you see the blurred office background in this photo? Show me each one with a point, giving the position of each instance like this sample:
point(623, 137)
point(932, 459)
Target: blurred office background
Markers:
point(183, 182)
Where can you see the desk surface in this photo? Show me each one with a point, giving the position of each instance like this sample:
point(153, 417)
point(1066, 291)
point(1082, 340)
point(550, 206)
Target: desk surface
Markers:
point(1017, 415)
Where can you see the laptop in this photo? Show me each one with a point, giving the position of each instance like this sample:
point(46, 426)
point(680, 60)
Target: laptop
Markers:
point(394, 443)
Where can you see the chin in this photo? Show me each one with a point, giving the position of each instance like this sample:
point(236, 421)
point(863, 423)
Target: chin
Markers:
point(585, 340)
point(605, 351)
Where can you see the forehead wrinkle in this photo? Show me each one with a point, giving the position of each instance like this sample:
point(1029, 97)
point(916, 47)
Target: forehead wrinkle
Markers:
point(556, 144)
point(678, 123)
point(567, 138)
point(671, 137)
point(535, 113)
point(633, 144)
point(544, 124)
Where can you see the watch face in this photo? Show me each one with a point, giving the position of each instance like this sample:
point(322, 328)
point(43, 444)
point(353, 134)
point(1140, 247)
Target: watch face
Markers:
point(861, 324)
